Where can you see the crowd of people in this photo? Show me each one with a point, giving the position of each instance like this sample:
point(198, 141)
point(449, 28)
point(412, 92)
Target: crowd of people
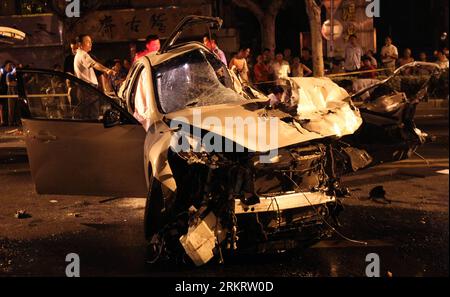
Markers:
point(267, 71)
point(367, 66)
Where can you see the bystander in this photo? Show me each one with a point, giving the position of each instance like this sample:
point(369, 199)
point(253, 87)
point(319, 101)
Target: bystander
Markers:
point(389, 55)
point(84, 65)
point(239, 64)
point(299, 69)
point(353, 54)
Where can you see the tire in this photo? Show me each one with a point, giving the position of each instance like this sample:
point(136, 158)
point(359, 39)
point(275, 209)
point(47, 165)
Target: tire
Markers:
point(153, 206)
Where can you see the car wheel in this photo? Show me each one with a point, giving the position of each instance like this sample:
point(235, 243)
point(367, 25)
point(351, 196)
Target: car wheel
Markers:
point(153, 206)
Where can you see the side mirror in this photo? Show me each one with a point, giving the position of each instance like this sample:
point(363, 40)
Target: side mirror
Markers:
point(111, 118)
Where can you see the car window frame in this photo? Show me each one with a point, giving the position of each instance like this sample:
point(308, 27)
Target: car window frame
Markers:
point(155, 79)
point(132, 87)
point(25, 111)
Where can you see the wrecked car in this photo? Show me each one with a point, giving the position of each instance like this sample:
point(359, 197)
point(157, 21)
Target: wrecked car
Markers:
point(185, 133)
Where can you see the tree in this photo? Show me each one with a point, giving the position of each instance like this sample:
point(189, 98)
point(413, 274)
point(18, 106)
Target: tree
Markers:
point(313, 9)
point(266, 12)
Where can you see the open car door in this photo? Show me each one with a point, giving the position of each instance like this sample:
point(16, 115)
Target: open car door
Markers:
point(186, 23)
point(79, 141)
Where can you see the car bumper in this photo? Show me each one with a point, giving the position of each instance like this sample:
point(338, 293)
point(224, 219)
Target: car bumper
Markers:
point(284, 202)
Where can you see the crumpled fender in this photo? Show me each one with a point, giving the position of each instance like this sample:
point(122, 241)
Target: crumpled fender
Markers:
point(156, 148)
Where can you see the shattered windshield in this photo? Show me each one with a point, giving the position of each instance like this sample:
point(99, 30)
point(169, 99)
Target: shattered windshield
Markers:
point(192, 80)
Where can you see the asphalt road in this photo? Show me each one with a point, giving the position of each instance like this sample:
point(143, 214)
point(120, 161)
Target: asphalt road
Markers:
point(410, 234)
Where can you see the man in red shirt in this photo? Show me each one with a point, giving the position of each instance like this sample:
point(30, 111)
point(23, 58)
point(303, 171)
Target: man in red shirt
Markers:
point(261, 73)
point(152, 44)
point(367, 65)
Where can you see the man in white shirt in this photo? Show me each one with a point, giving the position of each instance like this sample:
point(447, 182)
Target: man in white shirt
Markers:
point(84, 65)
point(389, 55)
point(281, 69)
point(353, 54)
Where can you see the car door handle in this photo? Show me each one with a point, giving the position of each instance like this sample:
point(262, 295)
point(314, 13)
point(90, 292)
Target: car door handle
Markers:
point(45, 136)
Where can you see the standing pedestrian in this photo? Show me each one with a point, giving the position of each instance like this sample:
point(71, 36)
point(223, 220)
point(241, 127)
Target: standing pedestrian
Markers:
point(299, 69)
point(406, 59)
point(11, 82)
point(4, 71)
point(389, 55)
point(261, 72)
point(353, 54)
point(239, 64)
point(281, 68)
point(84, 65)
point(213, 47)
point(152, 45)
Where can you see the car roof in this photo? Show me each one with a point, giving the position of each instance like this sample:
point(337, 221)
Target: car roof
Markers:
point(156, 58)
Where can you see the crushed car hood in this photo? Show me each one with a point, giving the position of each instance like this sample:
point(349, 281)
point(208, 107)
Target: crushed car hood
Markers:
point(324, 110)
point(324, 107)
point(254, 126)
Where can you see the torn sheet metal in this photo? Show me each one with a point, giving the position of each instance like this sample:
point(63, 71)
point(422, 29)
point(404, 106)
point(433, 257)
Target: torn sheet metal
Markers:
point(324, 107)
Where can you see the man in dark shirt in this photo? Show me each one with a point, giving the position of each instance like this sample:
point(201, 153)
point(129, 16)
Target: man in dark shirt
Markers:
point(68, 62)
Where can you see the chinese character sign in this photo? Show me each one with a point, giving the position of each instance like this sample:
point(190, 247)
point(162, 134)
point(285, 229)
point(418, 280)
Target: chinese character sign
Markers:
point(133, 24)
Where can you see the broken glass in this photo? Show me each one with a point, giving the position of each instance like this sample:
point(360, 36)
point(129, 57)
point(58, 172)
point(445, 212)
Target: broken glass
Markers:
point(191, 81)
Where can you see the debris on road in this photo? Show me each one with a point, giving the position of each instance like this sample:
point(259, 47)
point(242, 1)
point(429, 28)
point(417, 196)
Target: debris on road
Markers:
point(22, 214)
point(200, 241)
point(378, 194)
point(74, 214)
